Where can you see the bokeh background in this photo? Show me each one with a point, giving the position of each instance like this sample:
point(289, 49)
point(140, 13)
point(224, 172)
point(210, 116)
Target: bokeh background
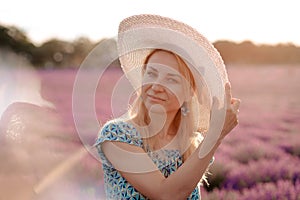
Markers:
point(44, 155)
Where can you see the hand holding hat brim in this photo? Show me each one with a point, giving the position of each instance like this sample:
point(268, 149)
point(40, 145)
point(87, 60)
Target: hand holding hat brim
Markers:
point(231, 119)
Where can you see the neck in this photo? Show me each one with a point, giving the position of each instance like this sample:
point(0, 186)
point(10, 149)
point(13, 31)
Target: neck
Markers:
point(162, 124)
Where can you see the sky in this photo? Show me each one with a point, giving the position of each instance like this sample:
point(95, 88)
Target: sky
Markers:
point(261, 21)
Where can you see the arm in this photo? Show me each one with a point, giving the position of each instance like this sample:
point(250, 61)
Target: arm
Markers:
point(139, 170)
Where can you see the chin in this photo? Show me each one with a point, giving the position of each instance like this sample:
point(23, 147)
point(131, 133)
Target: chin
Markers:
point(155, 108)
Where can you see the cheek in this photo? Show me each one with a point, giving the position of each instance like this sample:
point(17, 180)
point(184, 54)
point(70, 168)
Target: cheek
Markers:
point(146, 80)
point(145, 88)
point(177, 94)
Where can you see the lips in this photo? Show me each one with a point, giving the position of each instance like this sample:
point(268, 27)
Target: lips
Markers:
point(155, 98)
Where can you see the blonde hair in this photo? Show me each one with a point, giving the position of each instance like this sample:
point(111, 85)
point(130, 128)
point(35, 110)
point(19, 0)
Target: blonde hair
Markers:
point(185, 125)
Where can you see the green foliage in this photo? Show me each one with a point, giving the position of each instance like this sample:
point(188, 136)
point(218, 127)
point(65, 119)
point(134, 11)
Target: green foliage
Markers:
point(14, 39)
point(56, 53)
point(51, 54)
point(249, 53)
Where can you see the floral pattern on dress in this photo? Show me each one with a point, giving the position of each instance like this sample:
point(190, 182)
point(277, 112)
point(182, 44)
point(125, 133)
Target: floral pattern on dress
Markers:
point(116, 186)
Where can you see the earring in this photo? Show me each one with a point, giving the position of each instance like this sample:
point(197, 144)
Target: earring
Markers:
point(184, 109)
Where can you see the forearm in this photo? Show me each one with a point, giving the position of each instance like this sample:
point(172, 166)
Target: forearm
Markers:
point(186, 178)
point(140, 172)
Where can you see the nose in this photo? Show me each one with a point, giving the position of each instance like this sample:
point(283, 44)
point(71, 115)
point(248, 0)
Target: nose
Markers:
point(157, 87)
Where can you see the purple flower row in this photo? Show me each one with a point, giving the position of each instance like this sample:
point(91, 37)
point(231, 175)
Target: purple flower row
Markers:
point(283, 189)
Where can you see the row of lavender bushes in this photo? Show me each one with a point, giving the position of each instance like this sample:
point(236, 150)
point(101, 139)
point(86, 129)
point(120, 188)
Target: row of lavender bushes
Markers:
point(257, 163)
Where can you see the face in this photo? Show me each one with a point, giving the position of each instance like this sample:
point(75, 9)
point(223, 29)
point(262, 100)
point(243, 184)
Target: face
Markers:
point(162, 82)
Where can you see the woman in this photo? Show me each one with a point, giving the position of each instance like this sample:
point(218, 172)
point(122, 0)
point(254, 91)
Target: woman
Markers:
point(153, 152)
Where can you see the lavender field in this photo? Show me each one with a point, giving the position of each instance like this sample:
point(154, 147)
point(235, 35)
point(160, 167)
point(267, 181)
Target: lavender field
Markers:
point(259, 160)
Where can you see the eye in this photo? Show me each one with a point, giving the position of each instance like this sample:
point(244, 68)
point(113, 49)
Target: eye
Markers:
point(150, 73)
point(172, 80)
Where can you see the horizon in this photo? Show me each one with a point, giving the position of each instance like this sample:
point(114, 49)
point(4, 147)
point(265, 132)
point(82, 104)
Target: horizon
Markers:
point(95, 41)
point(256, 21)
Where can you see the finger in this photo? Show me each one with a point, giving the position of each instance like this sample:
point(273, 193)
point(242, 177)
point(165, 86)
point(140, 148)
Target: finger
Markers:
point(235, 105)
point(235, 100)
point(228, 93)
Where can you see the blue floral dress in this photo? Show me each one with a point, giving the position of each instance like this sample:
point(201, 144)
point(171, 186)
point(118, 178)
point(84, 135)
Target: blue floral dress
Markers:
point(116, 186)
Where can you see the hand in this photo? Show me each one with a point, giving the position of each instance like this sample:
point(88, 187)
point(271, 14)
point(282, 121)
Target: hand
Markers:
point(231, 119)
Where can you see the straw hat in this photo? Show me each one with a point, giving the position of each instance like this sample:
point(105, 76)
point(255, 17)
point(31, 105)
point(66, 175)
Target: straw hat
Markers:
point(139, 35)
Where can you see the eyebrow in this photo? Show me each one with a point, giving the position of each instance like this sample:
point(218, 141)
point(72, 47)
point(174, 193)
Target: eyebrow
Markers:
point(153, 68)
point(169, 74)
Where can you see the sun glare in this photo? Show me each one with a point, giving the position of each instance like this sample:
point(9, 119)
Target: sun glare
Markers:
point(258, 21)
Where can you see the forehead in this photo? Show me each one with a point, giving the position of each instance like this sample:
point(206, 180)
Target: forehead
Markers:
point(162, 60)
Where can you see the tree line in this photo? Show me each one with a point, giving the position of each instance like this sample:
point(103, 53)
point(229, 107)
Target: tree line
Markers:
point(56, 53)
